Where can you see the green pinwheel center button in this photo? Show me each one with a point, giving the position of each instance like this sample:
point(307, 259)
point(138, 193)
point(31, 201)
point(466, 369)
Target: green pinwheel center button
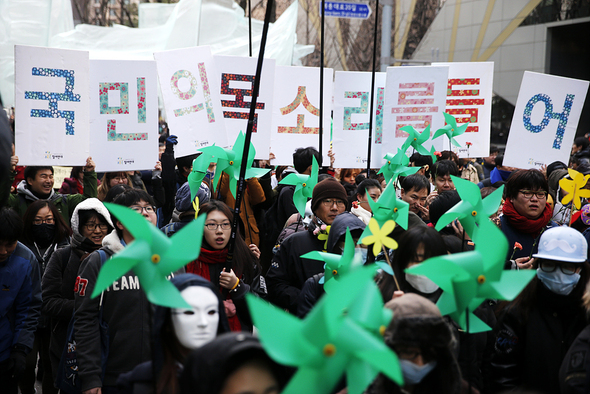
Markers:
point(473, 213)
point(388, 161)
point(155, 258)
point(382, 330)
point(304, 184)
point(394, 209)
point(231, 163)
point(329, 350)
point(415, 139)
point(334, 272)
point(481, 279)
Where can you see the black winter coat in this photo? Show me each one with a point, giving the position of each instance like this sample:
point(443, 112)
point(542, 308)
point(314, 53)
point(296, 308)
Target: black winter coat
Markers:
point(528, 350)
point(288, 271)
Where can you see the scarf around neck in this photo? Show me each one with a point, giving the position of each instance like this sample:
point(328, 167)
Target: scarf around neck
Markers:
point(524, 225)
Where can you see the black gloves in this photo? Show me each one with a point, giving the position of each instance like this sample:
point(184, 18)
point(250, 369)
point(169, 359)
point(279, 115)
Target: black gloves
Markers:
point(17, 363)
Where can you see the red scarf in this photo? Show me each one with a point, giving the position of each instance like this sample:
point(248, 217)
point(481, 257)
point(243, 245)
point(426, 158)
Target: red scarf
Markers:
point(522, 224)
point(201, 267)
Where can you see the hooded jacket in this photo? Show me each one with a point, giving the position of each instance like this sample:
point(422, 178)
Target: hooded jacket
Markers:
point(126, 311)
point(65, 203)
point(60, 276)
point(417, 322)
point(141, 379)
point(288, 271)
point(312, 290)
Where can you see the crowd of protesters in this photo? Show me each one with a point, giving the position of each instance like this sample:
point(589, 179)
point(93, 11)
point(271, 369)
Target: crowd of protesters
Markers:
point(54, 239)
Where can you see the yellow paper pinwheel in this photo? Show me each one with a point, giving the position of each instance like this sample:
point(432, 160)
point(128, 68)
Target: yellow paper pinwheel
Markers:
point(379, 236)
point(575, 188)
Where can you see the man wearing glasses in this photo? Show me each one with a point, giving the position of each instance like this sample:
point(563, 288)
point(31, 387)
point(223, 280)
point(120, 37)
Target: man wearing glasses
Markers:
point(526, 214)
point(288, 271)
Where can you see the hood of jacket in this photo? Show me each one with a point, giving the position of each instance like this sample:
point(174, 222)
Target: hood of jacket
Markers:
point(87, 205)
point(338, 228)
point(23, 188)
point(553, 181)
point(113, 242)
point(161, 314)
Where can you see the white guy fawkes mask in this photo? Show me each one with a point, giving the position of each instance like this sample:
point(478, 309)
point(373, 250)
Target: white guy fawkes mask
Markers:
point(197, 326)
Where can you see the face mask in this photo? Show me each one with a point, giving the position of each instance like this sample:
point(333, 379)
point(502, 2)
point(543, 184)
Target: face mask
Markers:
point(413, 374)
point(422, 283)
point(43, 233)
point(196, 326)
point(361, 253)
point(557, 281)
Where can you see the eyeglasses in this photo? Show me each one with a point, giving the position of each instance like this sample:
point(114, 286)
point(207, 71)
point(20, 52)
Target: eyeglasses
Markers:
point(528, 194)
point(214, 226)
point(148, 209)
point(551, 266)
point(48, 220)
point(328, 202)
point(93, 226)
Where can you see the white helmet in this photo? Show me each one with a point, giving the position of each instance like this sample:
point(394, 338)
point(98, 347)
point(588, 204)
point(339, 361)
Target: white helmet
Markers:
point(563, 244)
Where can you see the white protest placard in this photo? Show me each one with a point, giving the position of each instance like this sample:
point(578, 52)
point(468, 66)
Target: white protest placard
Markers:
point(296, 112)
point(236, 77)
point(352, 104)
point(414, 96)
point(51, 123)
point(190, 89)
point(469, 99)
point(545, 119)
point(123, 115)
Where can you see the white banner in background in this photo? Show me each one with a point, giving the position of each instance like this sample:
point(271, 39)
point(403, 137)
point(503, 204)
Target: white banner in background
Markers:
point(189, 85)
point(51, 106)
point(545, 120)
point(236, 77)
point(296, 112)
point(123, 115)
point(469, 99)
point(414, 96)
point(352, 103)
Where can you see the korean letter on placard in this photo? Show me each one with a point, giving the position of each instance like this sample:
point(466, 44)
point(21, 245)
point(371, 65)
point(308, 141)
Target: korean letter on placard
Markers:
point(414, 96)
point(123, 114)
point(236, 77)
point(296, 112)
point(189, 85)
point(545, 119)
point(352, 103)
point(51, 106)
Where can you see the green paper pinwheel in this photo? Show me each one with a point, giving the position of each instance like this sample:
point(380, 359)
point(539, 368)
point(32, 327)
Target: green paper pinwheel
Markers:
point(397, 165)
point(472, 210)
point(379, 236)
point(388, 207)
point(341, 334)
point(337, 266)
point(451, 129)
point(469, 278)
point(416, 139)
point(304, 185)
point(152, 256)
point(210, 154)
point(229, 163)
point(575, 188)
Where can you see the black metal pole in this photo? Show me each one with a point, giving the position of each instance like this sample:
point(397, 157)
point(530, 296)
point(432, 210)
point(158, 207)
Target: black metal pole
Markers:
point(250, 25)
point(242, 181)
point(321, 129)
point(370, 142)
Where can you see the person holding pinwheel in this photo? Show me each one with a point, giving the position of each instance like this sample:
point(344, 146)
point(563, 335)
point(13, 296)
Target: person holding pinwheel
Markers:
point(535, 331)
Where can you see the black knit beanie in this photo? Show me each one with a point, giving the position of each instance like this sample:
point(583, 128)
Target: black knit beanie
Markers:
point(328, 188)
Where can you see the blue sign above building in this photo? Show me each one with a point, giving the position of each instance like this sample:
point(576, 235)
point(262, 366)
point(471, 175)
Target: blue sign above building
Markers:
point(340, 9)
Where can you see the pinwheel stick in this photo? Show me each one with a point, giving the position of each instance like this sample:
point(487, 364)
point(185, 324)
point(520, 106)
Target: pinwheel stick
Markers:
point(389, 262)
point(572, 206)
point(242, 181)
point(372, 91)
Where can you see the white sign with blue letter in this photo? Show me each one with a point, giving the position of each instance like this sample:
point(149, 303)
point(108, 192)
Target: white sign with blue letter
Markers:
point(342, 9)
point(545, 120)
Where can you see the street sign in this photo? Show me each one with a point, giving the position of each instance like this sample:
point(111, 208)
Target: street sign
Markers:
point(341, 9)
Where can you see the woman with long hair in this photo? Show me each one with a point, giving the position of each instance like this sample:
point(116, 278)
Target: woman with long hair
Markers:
point(111, 179)
point(45, 231)
point(91, 222)
point(236, 281)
